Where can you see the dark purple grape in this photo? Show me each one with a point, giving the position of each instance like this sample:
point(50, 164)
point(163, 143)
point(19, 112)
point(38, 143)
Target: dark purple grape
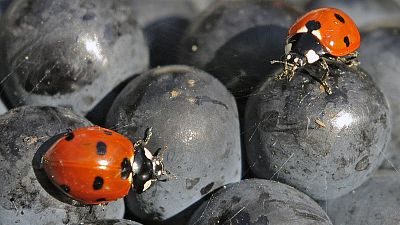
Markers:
point(324, 145)
point(68, 53)
point(194, 115)
point(259, 202)
point(27, 196)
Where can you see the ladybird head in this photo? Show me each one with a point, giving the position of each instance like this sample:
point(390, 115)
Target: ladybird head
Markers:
point(291, 61)
point(147, 168)
point(300, 49)
point(304, 47)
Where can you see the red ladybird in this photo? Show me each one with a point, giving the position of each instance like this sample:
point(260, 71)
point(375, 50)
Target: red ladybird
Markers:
point(320, 35)
point(95, 165)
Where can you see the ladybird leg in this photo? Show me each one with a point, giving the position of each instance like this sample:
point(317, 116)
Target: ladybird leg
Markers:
point(69, 134)
point(159, 156)
point(276, 61)
point(290, 70)
point(169, 175)
point(103, 205)
point(350, 60)
point(91, 209)
point(147, 135)
point(137, 144)
point(354, 63)
point(351, 56)
point(282, 74)
point(325, 77)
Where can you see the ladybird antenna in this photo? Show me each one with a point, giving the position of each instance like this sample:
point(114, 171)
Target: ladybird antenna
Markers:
point(290, 66)
point(169, 175)
point(147, 135)
point(277, 61)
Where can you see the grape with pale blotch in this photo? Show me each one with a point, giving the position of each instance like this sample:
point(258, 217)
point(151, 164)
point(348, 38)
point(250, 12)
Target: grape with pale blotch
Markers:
point(194, 115)
point(259, 202)
point(324, 145)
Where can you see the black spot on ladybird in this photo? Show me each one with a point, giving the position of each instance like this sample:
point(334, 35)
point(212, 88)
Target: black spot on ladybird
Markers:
point(98, 183)
point(126, 168)
point(313, 25)
point(101, 148)
point(65, 188)
point(339, 17)
point(346, 41)
point(107, 132)
point(69, 136)
point(101, 200)
point(206, 188)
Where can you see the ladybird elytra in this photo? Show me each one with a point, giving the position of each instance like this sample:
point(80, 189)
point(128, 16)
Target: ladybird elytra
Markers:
point(319, 36)
point(95, 165)
point(90, 164)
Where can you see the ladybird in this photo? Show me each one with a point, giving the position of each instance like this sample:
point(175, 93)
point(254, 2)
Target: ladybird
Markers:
point(95, 165)
point(320, 35)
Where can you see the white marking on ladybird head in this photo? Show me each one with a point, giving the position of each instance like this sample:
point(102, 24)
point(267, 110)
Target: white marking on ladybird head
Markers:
point(130, 178)
point(311, 56)
point(298, 62)
point(317, 34)
point(302, 29)
point(288, 48)
point(135, 168)
point(288, 56)
point(147, 185)
point(148, 153)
